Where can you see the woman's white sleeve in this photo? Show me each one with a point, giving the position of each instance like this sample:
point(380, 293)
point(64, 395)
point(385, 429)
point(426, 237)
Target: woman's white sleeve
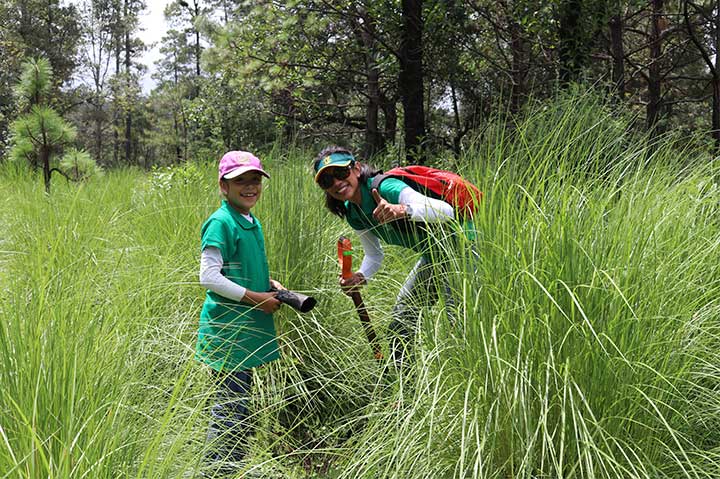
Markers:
point(373, 253)
point(423, 208)
point(211, 262)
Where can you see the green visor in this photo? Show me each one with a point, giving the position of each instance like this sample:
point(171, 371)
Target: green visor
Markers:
point(333, 159)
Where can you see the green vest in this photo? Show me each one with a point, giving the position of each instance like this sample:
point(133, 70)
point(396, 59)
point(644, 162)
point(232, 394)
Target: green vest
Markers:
point(233, 335)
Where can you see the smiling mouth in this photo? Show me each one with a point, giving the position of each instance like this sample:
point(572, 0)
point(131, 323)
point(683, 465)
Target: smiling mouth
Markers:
point(249, 195)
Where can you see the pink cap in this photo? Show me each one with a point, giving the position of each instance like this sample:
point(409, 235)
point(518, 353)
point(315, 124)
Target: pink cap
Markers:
point(235, 163)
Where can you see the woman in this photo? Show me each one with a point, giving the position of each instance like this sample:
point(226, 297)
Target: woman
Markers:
point(396, 214)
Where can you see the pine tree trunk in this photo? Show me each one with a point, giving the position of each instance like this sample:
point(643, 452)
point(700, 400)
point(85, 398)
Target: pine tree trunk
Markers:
point(654, 79)
point(410, 81)
point(99, 116)
point(116, 113)
point(618, 55)
point(373, 138)
point(569, 41)
point(197, 53)
point(716, 114)
point(389, 109)
point(45, 160)
point(519, 67)
point(459, 133)
point(128, 112)
point(716, 81)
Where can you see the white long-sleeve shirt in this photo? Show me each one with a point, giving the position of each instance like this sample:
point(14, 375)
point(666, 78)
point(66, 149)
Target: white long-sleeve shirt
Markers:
point(420, 208)
point(211, 263)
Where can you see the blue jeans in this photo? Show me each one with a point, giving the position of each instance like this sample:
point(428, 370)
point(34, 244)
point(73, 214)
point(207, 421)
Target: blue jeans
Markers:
point(229, 416)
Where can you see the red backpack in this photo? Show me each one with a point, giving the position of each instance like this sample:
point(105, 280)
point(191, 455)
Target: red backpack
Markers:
point(444, 185)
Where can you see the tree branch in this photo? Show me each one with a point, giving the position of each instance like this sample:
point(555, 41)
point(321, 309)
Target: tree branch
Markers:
point(695, 41)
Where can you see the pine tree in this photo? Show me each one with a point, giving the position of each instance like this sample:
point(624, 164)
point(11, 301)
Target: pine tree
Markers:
point(41, 132)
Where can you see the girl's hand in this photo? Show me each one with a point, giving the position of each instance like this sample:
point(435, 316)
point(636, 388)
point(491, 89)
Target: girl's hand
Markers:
point(353, 283)
point(271, 304)
point(276, 285)
point(385, 212)
point(265, 302)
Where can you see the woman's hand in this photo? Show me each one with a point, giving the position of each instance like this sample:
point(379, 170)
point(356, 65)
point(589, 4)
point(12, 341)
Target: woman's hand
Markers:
point(385, 212)
point(353, 283)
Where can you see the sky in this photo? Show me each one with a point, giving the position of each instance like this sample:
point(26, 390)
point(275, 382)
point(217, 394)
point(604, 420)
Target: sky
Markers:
point(153, 27)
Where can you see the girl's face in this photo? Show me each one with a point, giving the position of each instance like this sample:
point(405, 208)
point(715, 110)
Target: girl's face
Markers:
point(343, 182)
point(243, 191)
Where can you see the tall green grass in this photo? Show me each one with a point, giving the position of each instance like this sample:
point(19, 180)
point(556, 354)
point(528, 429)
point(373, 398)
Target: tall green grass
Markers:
point(585, 341)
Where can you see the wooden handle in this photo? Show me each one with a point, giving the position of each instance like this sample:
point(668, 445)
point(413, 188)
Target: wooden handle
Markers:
point(367, 325)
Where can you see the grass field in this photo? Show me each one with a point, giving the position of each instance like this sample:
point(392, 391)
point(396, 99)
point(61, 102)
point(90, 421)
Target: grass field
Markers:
point(586, 341)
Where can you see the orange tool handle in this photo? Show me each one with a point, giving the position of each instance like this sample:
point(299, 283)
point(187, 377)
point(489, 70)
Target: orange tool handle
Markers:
point(344, 247)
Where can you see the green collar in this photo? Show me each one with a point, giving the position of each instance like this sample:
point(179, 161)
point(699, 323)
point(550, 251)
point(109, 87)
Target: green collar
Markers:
point(239, 218)
point(367, 202)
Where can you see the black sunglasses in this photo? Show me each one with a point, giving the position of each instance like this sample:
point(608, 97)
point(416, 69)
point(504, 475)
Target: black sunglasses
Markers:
point(327, 178)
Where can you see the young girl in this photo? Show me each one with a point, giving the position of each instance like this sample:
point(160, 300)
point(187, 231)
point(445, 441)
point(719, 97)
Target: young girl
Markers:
point(236, 332)
point(398, 215)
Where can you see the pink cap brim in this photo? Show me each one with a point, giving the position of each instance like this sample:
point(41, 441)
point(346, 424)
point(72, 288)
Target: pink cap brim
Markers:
point(243, 169)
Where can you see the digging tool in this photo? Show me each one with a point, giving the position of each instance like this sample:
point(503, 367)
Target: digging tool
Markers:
point(344, 248)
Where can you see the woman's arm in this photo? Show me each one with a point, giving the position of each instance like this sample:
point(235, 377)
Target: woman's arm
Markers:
point(412, 206)
point(373, 258)
point(419, 207)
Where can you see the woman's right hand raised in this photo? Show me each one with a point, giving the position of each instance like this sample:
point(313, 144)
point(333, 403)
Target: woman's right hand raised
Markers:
point(353, 283)
point(385, 212)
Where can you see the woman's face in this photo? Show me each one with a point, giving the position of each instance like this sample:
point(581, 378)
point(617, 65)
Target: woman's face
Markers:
point(342, 187)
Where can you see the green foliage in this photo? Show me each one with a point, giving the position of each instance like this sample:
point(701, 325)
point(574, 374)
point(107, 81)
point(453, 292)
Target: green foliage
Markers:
point(23, 151)
point(35, 81)
point(584, 341)
point(306, 63)
point(40, 133)
point(164, 179)
point(79, 165)
point(10, 61)
point(41, 127)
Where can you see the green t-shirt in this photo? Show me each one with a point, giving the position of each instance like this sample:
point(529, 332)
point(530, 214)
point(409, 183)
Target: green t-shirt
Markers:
point(233, 335)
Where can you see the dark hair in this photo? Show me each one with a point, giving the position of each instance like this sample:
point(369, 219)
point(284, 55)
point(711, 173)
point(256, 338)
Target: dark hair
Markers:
point(337, 207)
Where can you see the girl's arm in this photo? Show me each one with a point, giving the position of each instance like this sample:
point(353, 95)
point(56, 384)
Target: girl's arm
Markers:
point(211, 278)
point(211, 262)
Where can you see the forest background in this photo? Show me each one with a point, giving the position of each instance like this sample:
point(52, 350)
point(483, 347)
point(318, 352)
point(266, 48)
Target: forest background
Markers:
point(586, 339)
point(404, 77)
